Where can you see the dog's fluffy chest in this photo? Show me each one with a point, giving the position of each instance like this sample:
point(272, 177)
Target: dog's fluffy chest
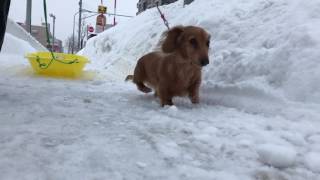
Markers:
point(179, 75)
point(187, 72)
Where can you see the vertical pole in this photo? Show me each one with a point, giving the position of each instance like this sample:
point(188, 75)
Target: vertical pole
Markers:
point(115, 11)
point(28, 15)
point(80, 23)
point(74, 20)
point(53, 32)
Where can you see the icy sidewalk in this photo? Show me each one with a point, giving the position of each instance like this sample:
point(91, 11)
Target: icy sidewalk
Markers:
point(60, 129)
point(265, 56)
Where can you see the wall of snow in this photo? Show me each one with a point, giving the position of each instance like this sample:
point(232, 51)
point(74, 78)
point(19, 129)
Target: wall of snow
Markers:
point(15, 46)
point(15, 30)
point(271, 45)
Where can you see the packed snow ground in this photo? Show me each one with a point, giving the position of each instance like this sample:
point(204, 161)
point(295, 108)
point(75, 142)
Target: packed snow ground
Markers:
point(259, 115)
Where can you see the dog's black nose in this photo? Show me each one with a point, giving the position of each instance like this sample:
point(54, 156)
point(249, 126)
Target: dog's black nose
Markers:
point(204, 61)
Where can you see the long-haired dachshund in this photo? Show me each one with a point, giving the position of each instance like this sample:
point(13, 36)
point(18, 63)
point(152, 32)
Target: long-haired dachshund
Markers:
point(176, 69)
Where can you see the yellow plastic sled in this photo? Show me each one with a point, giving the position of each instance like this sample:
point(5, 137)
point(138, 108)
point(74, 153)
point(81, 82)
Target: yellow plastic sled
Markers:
point(62, 65)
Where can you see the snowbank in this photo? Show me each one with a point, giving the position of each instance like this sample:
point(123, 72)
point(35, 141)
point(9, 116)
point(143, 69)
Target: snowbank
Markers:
point(12, 55)
point(270, 45)
point(15, 46)
point(16, 30)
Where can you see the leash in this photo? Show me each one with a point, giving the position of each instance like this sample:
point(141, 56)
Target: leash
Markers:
point(38, 59)
point(163, 17)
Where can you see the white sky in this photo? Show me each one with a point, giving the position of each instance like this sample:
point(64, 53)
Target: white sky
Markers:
point(65, 10)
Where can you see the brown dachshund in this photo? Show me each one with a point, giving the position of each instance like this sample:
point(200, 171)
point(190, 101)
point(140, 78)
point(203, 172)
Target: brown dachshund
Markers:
point(176, 69)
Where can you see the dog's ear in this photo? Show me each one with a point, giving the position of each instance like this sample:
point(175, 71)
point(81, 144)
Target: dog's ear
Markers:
point(172, 39)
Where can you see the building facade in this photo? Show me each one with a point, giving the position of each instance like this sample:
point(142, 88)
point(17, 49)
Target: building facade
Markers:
point(40, 34)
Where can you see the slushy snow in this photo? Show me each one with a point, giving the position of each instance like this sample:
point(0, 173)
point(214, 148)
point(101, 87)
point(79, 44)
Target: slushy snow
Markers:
point(258, 118)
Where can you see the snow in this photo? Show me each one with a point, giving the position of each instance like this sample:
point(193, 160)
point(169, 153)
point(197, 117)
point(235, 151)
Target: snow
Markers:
point(17, 31)
point(17, 46)
point(268, 56)
point(258, 118)
point(277, 156)
point(312, 160)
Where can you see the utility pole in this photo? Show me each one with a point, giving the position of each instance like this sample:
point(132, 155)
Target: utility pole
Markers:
point(115, 12)
point(74, 20)
point(28, 15)
point(80, 23)
point(53, 31)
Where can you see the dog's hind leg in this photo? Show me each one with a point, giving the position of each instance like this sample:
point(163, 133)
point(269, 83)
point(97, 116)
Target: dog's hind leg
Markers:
point(139, 77)
point(142, 87)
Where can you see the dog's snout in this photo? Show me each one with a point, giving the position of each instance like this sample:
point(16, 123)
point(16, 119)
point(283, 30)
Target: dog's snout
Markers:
point(204, 61)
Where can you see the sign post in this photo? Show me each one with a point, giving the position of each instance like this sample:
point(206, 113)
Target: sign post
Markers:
point(101, 19)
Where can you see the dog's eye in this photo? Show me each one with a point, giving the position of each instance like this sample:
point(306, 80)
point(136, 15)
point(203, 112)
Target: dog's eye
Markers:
point(208, 43)
point(194, 43)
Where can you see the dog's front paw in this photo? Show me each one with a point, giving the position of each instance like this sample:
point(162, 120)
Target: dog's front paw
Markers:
point(195, 100)
point(166, 103)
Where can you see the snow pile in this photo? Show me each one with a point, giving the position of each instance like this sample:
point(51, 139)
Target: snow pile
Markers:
point(271, 45)
point(12, 56)
point(277, 156)
point(16, 30)
point(15, 46)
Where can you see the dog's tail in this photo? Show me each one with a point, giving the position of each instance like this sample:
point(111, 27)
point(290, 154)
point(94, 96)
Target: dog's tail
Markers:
point(129, 78)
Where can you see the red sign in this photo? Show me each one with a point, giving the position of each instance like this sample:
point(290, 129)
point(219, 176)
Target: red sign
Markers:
point(90, 29)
